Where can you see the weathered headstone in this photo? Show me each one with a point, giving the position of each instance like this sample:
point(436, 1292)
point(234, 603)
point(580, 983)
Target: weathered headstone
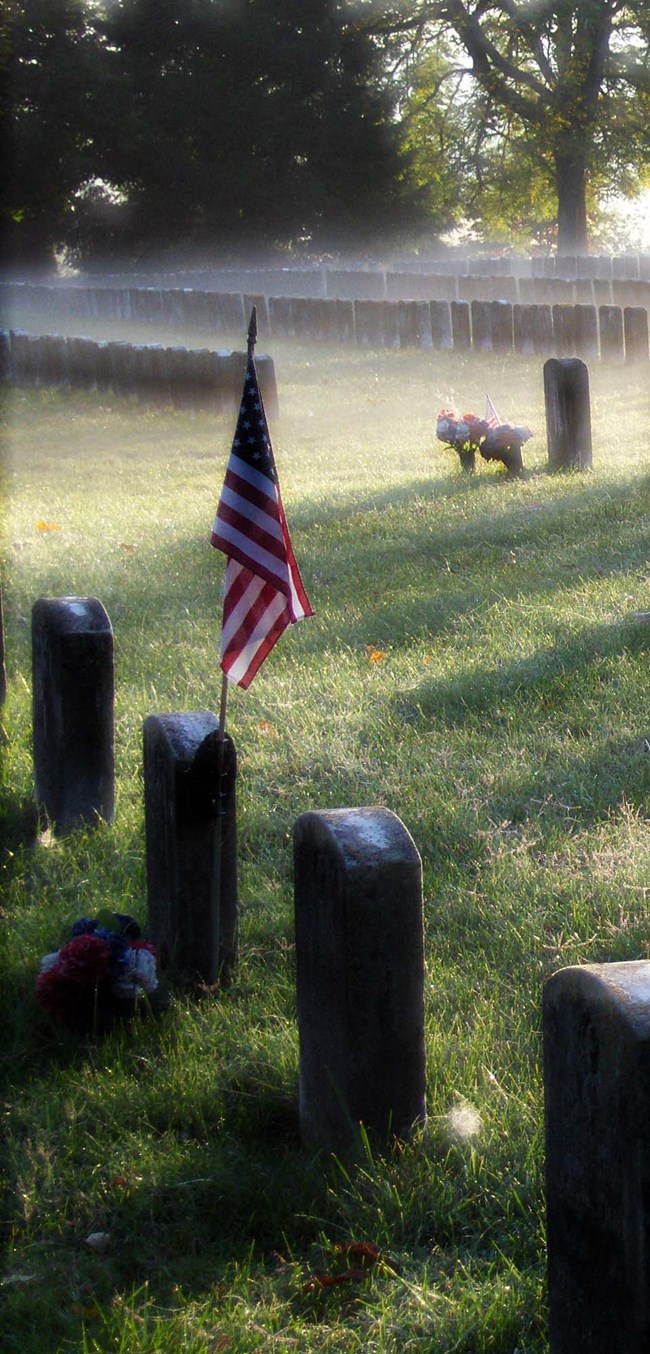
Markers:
point(481, 312)
point(501, 326)
point(610, 321)
point(597, 1100)
point(3, 669)
point(360, 976)
point(586, 331)
point(441, 336)
point(460, 325)
point(635, 329)
point(564, 330)
point(568, 414)
point(73, 718)
point(191, 832)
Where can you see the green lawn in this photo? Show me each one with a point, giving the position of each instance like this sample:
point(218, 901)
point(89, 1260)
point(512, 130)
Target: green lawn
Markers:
point(475, 665)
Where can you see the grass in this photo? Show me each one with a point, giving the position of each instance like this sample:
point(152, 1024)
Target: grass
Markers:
point(474, 664)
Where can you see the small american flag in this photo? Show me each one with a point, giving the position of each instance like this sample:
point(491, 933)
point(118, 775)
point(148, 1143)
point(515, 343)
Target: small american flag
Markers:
point(491, 417)
point(263, 589)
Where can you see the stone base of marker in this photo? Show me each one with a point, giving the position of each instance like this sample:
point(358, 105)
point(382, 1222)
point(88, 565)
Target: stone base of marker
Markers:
point(73, 716)
point(360, 977)
point(597, 1101)
point(193, 926)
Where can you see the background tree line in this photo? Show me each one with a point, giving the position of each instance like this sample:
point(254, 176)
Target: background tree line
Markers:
point(141, 128)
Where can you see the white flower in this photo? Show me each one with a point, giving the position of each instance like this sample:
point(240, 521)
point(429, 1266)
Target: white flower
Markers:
point(139, 975)
point(49, 961)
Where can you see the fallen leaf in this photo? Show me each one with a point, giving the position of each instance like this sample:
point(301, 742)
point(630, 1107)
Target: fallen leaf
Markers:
point(47, 526)
point(88, 1313)
point(318, 1281)
point(359, 1250)
point(265, 726)
point(128, 547)
point(374, 655)
point(98, 1241)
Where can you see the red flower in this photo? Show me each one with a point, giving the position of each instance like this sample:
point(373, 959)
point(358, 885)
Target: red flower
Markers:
point(84, 960)
point(59, 995)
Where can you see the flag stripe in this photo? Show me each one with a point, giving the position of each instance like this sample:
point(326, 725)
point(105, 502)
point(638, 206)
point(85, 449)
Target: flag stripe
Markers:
point(233, 522)
point(242, 503)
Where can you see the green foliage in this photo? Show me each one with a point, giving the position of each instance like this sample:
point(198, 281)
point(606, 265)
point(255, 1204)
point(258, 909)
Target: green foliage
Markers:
point(553, 100)
point(212, 123)
point(504, 720)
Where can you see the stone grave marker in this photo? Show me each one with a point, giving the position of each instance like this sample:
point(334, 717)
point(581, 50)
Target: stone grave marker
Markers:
point(73, 719)
point(635, 331)
point(194, 930)
point(610, 320)
point(568, 413)
point(460, 325)
point(360, 976)
point(596, 1022)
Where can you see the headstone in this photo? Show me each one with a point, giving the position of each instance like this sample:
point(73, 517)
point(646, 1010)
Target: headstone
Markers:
point(501, 326)
point(564, 330)
point(523, 325)
point(610, 320)
point(73, 720)
point(360, 976)
point(635, 330)
point(3, 670)
point(597, 1100)
point(568, 414)
point(441, 336)
point(481, 326)
point(460, 325)
point(586, 331)
point(191, 840)
point(5, 356)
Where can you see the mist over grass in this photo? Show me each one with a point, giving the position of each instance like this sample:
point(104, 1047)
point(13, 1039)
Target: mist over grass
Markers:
point(474, 664)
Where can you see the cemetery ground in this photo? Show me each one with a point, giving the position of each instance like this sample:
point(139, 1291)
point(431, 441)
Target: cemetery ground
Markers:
point(476, 665)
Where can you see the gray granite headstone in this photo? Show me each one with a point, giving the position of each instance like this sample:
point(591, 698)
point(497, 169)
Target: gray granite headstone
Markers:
point(191, 879)
point(360, 976)
point(596, 1023)
point(73, 718)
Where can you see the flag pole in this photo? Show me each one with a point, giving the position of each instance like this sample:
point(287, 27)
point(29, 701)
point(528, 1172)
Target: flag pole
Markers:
point(221, 752)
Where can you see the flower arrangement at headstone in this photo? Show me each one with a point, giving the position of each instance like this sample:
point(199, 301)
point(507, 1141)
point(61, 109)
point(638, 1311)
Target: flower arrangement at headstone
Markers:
point(493, 440)
point(104, 971)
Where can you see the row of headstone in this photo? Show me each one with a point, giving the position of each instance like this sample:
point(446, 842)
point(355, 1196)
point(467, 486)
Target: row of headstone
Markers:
point(588, 331)
point(360, 954)
point(375, 280)
point(182, 377)
point(360, 986)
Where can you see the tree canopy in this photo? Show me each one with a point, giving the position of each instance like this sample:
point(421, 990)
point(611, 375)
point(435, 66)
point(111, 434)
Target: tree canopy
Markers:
point(215, 122)
point(561, 96)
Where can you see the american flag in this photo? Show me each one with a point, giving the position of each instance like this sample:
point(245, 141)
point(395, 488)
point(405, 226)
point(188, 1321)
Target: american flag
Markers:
point(491, 417)
point(263, 588)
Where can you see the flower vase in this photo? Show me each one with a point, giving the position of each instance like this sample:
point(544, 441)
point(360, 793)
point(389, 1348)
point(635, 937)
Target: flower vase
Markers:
point(467, 460)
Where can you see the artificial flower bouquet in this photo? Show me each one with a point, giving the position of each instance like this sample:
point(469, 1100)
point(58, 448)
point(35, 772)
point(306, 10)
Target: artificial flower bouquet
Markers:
point(105, 970)
point(494, 441)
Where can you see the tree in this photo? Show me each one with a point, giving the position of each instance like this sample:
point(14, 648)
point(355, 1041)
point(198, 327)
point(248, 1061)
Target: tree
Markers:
point(260, 122)
point(49, 56)
point(564, 84)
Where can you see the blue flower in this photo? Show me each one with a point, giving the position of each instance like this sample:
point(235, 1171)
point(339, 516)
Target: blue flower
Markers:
point(83, 927)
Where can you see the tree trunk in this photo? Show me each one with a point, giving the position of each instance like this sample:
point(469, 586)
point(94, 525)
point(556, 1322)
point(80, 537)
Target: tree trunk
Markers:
point(571, 181)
